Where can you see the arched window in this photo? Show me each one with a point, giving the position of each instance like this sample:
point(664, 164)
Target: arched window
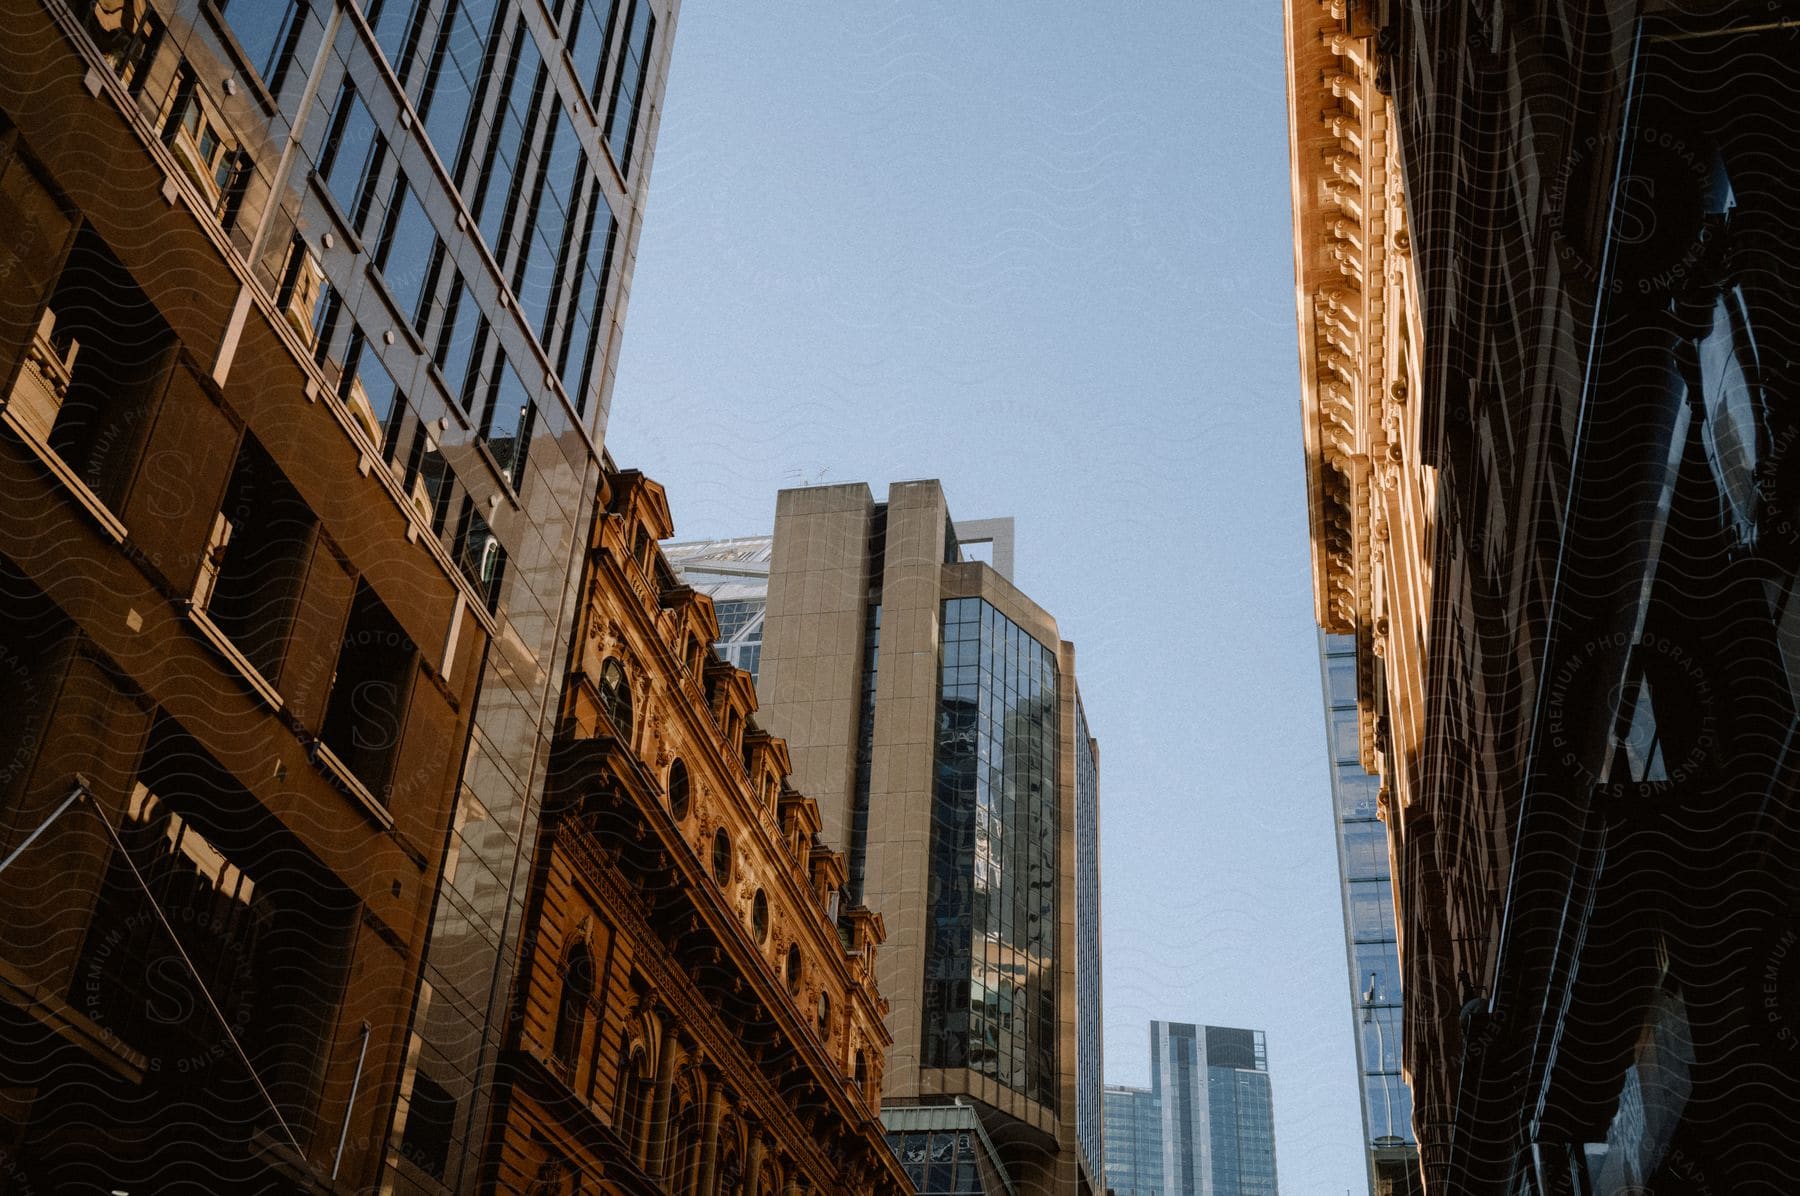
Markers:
point(678, 791)
point(684, 1150)
point(824, 1014)
point(759, 917)
point(861, 1073)
point(577, 994)
point(615, 696)
point(721, 861)
point(793, 969)
point(626, 1116)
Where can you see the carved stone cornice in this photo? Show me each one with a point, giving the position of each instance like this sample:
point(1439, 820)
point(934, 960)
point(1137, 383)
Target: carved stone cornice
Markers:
point(1342, 200)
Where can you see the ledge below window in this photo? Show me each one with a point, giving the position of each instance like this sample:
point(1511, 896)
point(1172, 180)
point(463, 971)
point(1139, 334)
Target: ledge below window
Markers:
point(346, 780)
point(222, 644)
point(56, 1014)
point(70, 480)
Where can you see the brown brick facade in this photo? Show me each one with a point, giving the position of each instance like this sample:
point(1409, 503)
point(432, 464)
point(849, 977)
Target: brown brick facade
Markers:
point(208, 958)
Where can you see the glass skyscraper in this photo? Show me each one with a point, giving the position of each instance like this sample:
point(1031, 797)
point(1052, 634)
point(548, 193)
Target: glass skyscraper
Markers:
point(1133, 1128)
point(1215, 1112)
point(735, 575)
point(1369, 932)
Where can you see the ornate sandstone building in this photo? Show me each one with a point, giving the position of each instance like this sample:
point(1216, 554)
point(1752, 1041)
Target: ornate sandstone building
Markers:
point(696, 1013)
point(1370, 497)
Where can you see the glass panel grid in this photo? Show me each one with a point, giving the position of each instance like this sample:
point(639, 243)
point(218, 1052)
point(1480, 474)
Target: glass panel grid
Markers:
point(994, 859)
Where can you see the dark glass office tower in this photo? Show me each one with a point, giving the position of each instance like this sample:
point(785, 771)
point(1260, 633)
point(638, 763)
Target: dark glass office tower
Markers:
point(1211, 1087)
point(318, 306)
point(496, 153)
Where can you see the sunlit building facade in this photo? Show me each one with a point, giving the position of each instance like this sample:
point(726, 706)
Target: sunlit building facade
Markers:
point(696, 1013)
point(312, 314)
point(931, 708)
point(1372, 512)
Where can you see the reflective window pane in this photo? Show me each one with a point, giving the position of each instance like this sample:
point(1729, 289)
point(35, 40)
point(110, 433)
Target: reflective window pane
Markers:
point(461, 334)
point(589, 32)
point(495, 186)
point(583, 322)
point(507, 429)
point(1365, 850)
point(404, 252)
point(540, 266)
point(628, 85)
point(457, 65)
point(390, 20)
point(1371, 908)
point(261, 27)
point(350, 147)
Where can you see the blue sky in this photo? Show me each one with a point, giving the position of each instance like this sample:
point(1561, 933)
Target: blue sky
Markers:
point(1042, 252)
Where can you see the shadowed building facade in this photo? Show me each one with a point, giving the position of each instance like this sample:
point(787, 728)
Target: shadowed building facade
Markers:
point(309, 324)
point(932, 711)
point(1572, 612)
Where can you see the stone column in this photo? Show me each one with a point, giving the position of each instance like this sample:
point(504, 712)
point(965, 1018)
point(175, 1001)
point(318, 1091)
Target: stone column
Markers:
point(642, 1122)
point(753, 1166)
point(709, 1136)
point(656, 1141)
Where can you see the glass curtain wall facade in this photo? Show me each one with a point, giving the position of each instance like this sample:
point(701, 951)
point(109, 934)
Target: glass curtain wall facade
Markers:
point(1370, 947)
point(1133, 1128)
point(735, 575)
point(990, 991)
point(1211, 1085)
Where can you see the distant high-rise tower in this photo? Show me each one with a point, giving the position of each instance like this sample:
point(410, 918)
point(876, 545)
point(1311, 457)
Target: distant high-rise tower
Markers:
point(1369, 932)
point(1133, 1142)
point(1217, 1110)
